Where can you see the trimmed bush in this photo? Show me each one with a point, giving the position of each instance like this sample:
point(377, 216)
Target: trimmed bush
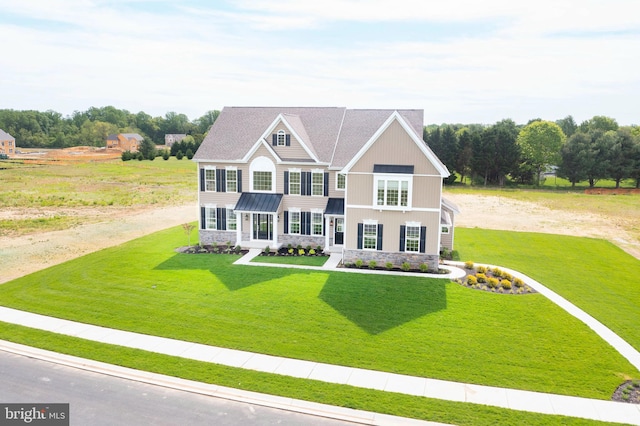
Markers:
point(506, 284)
point(472, 280)
point(481, 269)
point(388, 265)
point(312, 252)
point(267, 250)
point(319, 249)
point(373, 264)
point(301, 252)
point(237, 249)
point(482, 278)
point(518, 282)
point(405, 266)
point(497, 272)
point(359, 263)
point(468, 264)
point(423, 267)
point(492, 282)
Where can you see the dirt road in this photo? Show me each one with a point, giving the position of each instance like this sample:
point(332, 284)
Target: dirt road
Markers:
point(23, 255)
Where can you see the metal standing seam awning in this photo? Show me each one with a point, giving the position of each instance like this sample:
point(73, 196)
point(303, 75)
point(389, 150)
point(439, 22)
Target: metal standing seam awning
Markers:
point(335, 207)
point(258, 202)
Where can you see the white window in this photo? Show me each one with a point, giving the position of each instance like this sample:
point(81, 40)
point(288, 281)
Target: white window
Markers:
point(370, 236)
point(294, 222)
point(232, 180)
point(341, 181)
point(412, 238)
point(392, 192)
point(281, 138)
point(262, 181)
point(210, 180)
point(317, 183)
point(232, 223)
point(211, 221)
point(316, 223)
point(445, 230)
point(294, 182)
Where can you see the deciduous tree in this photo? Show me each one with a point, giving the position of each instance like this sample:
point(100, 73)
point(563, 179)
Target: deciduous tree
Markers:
point(540, 144)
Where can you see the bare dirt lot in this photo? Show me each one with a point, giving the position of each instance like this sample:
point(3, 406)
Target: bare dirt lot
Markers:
point(26, 254)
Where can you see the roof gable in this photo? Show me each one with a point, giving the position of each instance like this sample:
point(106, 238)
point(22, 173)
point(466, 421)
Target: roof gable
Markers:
point(411, 132)
point(295, 127)
point(6, 136)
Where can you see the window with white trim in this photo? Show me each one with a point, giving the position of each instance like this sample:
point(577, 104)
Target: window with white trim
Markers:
point(294, 182)
point(232, 180)
point(412, 238)
point(370, 236)
point(317, 183)
point(392, 192)
point(211, 220)
point(210, 180)
point(341, 181)
point(294, 222)
point(281, 138)
point(316, 223)
point(445, 230)
point(232, 222)
point(261, 181)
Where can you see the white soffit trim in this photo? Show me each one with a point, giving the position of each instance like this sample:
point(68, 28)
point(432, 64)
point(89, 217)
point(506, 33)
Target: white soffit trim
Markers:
point(254, 148)
point(441, 168)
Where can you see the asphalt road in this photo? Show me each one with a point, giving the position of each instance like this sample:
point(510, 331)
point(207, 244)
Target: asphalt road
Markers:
point(97, 399)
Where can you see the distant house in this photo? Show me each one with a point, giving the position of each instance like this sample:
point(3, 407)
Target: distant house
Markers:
point(359, 182)
point(124, 141)
point(170, 139)
point(7, 143)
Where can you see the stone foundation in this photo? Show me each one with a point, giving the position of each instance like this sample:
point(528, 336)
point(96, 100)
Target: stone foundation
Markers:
point(218, 237)
point(303, 240)
point(396, 258)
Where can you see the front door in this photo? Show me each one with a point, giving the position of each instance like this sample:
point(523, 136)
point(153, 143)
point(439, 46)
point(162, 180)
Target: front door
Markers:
point(262, 226)
point(338, 231)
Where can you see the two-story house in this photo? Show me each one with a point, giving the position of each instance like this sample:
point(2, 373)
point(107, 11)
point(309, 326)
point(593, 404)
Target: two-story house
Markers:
point(124, 141)
point(361, 182)
point(7, 143)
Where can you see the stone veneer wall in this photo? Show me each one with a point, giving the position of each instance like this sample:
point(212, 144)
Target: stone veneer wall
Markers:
point(219, 237)
point(303, 240)
point(397, 258)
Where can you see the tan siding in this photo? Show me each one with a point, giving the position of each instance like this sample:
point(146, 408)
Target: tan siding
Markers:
point(220, 199)
point(303, 202)
point(295, 151)
point(391, 222)
point(427, 192)
point(360, 190)
point(395, 146)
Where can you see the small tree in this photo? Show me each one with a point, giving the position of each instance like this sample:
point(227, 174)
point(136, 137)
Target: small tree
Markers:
point(188, 227)
point(540, 143)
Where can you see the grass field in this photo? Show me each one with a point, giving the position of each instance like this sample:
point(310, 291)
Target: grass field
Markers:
point(594, 274)
point(87, 187)
point(416, 326)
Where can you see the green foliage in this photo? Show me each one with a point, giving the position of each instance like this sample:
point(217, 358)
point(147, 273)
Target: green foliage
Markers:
point(189, 154)
point(492, 282)
point(481, 269)
point(423, 267)
point(540, 144)
point(388, 266)
point(373, 264)
point(405, 266)
point(267, 250)
point(359, 263)
point(312, 252)
point(165, 154)
point(506, 284)
point(482, 278)
point(468, 264)
point(179, 155)
point(301, 252)
point(472, 280)
point(126, 155)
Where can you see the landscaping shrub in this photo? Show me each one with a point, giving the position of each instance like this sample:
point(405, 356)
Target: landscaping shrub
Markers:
point(518, 282)
point(468, 264)
point(497, 272)
point(373, 264)
point(319, 249)
point(481, 269)
point(165, 155)
point(312, 252)
point(423, 267)
point(267, 250)
point(507, 276)
point(472, 280)
point(237, 249)
point(388, 265)
point(301, 252)
point(179, 155)
point(506, 284)
point(455, 255)
point(290, 251)
point(189, 154)
point(482, 278)
point(405, 266)
point(492, 282)
point(359, 263)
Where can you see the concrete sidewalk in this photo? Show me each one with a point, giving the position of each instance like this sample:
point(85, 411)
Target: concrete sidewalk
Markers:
point(389, 382)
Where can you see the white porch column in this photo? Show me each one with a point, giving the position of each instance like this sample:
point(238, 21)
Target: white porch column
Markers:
point(238, 229)
point(327, 230)
point(275, 229)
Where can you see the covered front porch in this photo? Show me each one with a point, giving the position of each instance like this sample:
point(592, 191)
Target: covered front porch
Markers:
point(334, 225)
point(259, 222)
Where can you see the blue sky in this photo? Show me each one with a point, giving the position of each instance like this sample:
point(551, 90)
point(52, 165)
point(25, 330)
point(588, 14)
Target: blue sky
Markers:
point(462, 61)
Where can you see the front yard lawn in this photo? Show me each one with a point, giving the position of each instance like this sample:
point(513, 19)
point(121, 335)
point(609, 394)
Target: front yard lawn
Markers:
point(408, 325)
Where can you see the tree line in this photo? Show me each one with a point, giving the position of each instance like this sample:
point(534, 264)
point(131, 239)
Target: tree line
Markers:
point(504, 152)
point(50, 129)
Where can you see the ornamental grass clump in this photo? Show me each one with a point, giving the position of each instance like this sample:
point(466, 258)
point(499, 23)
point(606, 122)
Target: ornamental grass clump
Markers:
point(472, 280)
point(405, 266)
point(373, 264)
point(389, 266)
point(518, 282)
point(492, 282)
point(481, 269)
point(468, 264)
point(506, 284)
point(482, 278)
point(423, 267)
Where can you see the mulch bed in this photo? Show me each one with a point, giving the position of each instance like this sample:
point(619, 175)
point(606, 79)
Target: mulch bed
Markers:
point(629, 392)
point(515, 289)
point(210, 249)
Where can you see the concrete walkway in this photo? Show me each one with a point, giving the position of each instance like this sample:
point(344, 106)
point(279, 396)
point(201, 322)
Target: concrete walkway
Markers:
point(418, 386)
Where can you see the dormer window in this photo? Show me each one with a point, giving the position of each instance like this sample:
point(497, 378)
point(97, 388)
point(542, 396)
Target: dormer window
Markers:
point(282, 138)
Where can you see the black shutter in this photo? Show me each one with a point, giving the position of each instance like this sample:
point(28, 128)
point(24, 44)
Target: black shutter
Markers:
point(202, 188)
point(326, 184)
point(423, 238)
point(379, 243)
point(239, 177)
point(286, 183)
point(323, 223)
point(221, 180)
point(360, 232)
point(403, 233)
point(305, 225)
point(203, 218)
point(274, 139)
point(303, 183)
point(288, 140)
point(309, 183)
point(286, 221)
point(223, 222)
point(219, 219)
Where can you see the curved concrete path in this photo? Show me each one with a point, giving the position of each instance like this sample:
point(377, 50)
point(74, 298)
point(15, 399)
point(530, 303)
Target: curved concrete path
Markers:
point(418, 386)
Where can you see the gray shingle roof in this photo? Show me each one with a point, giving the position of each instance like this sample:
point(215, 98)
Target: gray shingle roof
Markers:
point(6, 136)
point(258, 202)
point(333, 134)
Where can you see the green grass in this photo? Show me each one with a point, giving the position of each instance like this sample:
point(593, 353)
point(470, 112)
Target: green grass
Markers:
point(408, 325)
point(338, 395)
point(594, 274)
point(292, 260)
point(106, 185)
